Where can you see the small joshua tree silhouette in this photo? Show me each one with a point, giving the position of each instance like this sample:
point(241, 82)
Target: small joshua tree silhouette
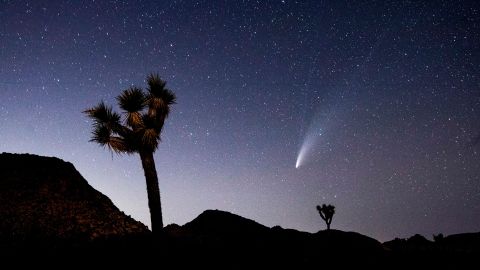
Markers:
point(326, 213)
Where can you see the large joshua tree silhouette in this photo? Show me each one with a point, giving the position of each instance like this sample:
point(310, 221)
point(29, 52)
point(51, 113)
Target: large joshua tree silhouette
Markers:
point(137, 131)
point(326, 213)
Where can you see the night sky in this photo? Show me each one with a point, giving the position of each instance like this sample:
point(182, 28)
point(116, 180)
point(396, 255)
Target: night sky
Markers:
point(380, 99)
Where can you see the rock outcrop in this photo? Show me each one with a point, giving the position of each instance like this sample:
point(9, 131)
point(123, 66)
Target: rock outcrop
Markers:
point(47, 198)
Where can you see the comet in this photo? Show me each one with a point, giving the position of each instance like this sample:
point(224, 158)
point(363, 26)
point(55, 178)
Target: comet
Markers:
point(307, 147)
point(312, 139)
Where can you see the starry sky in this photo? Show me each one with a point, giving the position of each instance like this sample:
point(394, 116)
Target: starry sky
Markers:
point(382, 96)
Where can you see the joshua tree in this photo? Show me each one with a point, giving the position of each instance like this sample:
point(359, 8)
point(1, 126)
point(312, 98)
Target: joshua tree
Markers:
point(326, 213)
point(137, 130)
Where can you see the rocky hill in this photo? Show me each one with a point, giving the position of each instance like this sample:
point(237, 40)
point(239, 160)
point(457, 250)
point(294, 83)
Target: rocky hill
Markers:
point(232, 238)
point(459, 251)
point(47, 198)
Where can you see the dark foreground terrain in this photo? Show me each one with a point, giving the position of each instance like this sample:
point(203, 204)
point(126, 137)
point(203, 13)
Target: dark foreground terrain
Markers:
point(50, 215)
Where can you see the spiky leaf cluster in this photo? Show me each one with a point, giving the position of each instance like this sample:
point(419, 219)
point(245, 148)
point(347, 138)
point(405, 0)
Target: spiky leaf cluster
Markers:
point(139, 126)
point(326, 212)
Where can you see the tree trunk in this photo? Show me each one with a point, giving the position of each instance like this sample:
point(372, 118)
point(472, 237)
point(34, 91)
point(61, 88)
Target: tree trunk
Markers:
point(328, 226)
point(153, 191)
